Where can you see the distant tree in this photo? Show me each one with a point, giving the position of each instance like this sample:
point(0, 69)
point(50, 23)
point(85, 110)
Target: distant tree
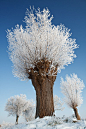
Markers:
point(29, 113)
point(38, 52)
point(72, 89)
point(16, 105)
point(57, 103)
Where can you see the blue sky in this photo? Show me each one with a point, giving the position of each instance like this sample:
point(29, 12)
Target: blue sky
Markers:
point(71, 13)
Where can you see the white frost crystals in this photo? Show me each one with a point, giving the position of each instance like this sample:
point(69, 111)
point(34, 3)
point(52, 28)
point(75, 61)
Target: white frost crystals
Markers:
point(16, 105)
point(29, 112)
point(58, 103)
point(19, 105)
point(39, 40)
point(72, 89)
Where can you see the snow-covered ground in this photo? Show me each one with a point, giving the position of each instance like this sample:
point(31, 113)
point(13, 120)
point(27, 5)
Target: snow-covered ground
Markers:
point(48, 123)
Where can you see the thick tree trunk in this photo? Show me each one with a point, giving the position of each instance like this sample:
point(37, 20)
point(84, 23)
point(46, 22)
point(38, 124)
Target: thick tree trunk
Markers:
point(76, 114)
point(43, 82)
point(17, 119)
point(44, 99)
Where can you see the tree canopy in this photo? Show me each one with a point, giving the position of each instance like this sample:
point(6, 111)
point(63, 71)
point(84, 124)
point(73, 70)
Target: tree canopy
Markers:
point(58, 104)
point(29, 112)
point(40, 40)
point(72, 88)
point(16, 105)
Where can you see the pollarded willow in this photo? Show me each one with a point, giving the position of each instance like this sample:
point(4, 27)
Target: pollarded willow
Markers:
point(38, 51)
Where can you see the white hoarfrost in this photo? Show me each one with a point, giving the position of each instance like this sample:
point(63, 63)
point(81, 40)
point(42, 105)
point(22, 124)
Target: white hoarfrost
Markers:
point(29, 112)
point(17, 105)
point(40, 39)
point(57, 103)
point(72, 89)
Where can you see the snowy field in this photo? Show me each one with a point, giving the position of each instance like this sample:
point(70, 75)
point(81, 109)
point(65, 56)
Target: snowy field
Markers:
point(48, 123)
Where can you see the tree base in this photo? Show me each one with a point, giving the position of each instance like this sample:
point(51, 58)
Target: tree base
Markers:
point(76, 114)
point(17, 119)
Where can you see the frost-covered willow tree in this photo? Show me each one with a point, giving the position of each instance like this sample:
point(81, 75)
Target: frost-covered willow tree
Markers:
point(72, 89)
point(57, 103)
point(16, 105)
point(29, 113)
point(38, 51)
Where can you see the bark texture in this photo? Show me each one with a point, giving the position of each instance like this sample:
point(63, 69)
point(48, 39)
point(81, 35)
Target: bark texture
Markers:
point(17, 119)
point(44, 98)
point(76, 114)
point(43, 84)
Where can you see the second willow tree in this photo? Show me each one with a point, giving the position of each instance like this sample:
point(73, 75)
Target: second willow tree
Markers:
point(38, 51)
point(72, 89)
